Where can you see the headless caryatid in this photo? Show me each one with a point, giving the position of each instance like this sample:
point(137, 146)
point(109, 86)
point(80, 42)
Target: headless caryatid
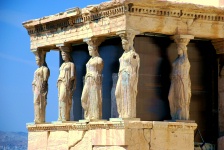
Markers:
point(180, 89)
point(92, 92)
point(66, 84)
point(40, 87)
point(126, 88)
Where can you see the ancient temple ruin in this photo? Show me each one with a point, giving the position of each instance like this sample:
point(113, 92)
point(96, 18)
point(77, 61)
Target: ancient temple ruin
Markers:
point(157, 31)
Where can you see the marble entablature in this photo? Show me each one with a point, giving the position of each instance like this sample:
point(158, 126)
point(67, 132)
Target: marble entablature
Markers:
point(105, 19)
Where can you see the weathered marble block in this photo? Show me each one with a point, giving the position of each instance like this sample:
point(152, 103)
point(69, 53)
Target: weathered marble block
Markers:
point(123, 135)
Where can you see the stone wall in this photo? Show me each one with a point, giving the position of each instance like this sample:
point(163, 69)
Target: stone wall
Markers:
point(131, 135)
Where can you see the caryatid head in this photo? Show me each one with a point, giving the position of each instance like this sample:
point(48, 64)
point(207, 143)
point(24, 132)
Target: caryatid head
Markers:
point(182, 42)
point(40, 57)
point(65, 53)
point(93, 44)
point(127, 39)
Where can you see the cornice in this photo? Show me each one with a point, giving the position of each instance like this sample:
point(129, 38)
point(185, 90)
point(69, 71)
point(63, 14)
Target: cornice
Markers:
point(111, 125)
point(77, 17)
point(180, 12)
point(74, 17)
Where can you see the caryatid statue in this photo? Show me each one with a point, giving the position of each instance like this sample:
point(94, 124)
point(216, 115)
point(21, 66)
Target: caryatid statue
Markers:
point(40, 87)
point(126, 88)
point(66, 84)
point(92, 92)
point(180, 89)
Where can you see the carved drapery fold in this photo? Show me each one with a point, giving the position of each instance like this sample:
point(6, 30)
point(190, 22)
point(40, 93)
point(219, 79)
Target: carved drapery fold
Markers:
point(66, 84)
point(40, 86)
point(91, 99)
point(126, 88)
point(180, 89)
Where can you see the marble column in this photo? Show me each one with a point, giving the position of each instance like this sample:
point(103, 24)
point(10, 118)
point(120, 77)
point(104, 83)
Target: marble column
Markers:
point(91, 99)
point(180, 88)
point(219, 46)
point(127, 84)
point(40, 86)
point(66, 84)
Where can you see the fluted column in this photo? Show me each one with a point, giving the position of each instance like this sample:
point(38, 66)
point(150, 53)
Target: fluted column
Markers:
point(40, 86)
point(180, 89)
point(127, 84)
point(91, 99)
point(219, 46)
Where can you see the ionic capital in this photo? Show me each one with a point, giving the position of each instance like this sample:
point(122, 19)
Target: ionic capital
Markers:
point(94, 41)
point(63, 47)
point(40, 52)
point(182, 39)
point(218, 45)
point(128, 35)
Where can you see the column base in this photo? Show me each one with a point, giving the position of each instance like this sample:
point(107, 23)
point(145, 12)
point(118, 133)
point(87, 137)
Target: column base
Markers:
point(91, 120)
point(124, 119)
point(59, 122)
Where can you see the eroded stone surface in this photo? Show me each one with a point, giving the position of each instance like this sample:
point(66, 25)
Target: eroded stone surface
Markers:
point(109, 148)
point(85, 143)
point(107, 135)
point(166, 135)
point(138, 140)
point(74, 137)
point(57, 140)
point(35, 138)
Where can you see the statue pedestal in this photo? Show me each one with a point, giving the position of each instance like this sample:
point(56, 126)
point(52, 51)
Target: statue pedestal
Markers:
point(108, 135)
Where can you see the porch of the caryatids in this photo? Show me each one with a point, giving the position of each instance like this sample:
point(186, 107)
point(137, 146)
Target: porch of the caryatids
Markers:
point(180, 88)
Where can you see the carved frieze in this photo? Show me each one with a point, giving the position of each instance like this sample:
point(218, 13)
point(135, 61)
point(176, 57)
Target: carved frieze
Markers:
point(112, 125)
point(75, 20)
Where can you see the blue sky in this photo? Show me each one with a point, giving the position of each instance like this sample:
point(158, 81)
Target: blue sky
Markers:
point(17, 63)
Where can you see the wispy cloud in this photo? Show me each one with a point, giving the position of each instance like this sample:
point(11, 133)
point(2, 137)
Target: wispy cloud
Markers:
point(12, 17)
point(16, 59)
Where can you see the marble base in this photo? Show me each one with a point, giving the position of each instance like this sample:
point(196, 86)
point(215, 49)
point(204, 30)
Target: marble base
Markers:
point(59, 122)
point(124, 119)
point(91, 120)
point(108, 135)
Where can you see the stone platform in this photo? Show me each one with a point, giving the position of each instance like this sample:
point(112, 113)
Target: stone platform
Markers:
point(107, 135)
